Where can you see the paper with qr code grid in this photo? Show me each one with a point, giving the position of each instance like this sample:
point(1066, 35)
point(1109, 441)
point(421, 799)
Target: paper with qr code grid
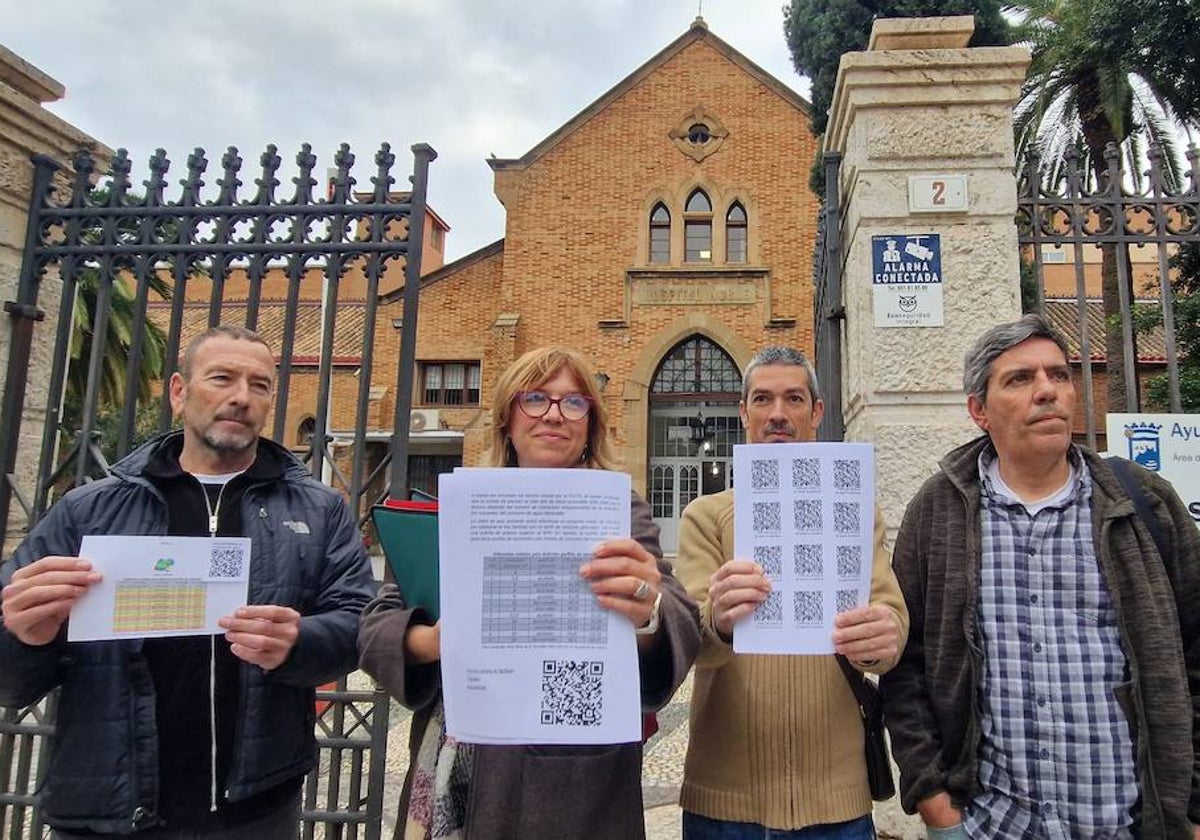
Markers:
point(528, 654)
point(805, 512)
point(160, 586)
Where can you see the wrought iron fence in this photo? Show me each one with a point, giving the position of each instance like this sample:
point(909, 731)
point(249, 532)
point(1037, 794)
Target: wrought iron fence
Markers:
point(828, 309)
point(214, 257)
point(24, 748)
point(1121, 211)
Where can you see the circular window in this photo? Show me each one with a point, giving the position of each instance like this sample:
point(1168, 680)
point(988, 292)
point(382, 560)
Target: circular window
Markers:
point(699, 134)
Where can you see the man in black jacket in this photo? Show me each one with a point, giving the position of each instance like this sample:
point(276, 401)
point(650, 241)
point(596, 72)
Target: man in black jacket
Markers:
point(200, 736)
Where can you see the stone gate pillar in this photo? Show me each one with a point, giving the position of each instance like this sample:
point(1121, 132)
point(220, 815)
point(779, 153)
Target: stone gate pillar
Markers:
point(27, 128)
point(924, 125)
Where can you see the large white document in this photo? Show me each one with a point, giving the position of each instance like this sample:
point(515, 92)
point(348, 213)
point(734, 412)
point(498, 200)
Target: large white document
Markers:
point(528, 654)
point(160, 586)
point(805, 512)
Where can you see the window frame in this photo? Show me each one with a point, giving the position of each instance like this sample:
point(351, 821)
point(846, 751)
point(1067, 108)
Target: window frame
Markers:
point(697, 223)
point(468, 393)
point(742, 226)
point(660, 235)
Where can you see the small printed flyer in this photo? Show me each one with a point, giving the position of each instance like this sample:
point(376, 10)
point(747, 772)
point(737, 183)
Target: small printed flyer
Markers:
point(160, 586)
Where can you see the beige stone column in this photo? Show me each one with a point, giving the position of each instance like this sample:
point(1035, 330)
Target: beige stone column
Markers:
point(918, 102)
point(26, 127)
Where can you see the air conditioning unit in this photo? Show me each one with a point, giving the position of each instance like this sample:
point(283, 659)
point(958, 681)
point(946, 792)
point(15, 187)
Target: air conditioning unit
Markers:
point(424, 419)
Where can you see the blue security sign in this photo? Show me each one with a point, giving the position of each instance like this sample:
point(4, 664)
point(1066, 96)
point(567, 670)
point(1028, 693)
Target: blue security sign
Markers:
point(906, 277)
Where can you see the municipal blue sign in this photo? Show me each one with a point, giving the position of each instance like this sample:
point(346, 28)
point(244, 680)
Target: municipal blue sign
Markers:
point(906, 259)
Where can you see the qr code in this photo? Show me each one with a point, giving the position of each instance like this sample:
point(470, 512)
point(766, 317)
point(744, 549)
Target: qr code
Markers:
point(808, 608)
point(226, 562)
point(807, 558)
point(764, 475)
point(847, 599)
point(846, 475)
point(571, 692)
point(770, 557)
point(806, 473)
point(770, 611)
point(849, 561)
point(808, 514)
point(846, 517)
point(766, 517)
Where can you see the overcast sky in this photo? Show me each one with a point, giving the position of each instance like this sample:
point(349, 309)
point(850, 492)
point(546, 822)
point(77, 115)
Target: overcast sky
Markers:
point(470, 77)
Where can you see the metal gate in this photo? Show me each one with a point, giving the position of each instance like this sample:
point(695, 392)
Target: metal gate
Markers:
point(1153, 212)
point(200, 246)
point(828, 310)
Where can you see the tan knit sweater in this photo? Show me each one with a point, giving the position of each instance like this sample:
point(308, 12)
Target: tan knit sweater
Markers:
point(775, 740)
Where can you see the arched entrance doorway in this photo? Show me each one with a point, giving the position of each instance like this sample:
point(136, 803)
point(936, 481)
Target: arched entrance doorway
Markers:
point(693, 427)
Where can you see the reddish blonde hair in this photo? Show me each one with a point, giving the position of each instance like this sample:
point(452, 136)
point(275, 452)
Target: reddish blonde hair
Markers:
point(527, 373)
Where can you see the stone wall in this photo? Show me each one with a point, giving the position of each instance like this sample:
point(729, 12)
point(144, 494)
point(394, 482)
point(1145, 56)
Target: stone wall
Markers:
point(918, 102)
point(26, 128)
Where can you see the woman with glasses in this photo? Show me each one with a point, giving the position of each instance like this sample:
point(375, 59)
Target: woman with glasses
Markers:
point(547, 412)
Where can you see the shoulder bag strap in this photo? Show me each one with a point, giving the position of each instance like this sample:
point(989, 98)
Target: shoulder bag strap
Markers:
point(857, 682)
point(1124, 474)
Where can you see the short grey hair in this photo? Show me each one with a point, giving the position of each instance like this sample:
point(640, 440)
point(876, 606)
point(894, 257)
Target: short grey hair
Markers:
point(779, 355)
point(977, 367)
point(219, 331)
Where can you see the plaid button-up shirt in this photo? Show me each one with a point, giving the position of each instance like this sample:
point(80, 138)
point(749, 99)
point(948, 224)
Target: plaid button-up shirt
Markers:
point(1056, 754)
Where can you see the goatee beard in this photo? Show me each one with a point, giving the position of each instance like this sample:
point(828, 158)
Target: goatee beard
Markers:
point(223, 443)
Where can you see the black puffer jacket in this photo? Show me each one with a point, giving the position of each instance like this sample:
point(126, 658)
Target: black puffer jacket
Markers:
point(306, 554)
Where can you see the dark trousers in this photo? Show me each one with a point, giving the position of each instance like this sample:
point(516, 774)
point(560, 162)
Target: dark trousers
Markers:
point(696, 827)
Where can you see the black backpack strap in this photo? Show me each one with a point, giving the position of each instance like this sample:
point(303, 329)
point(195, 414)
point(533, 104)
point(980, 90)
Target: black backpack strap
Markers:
point(1121, 468)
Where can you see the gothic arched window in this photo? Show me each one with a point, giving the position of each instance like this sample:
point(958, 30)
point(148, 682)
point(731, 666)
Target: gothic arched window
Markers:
point(660, 234)
point(697, 366)
point(697, 227)
point(735, 234)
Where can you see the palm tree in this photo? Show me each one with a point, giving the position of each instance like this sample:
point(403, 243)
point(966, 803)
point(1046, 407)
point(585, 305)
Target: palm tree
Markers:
point(1097, 79)
point(117, 342)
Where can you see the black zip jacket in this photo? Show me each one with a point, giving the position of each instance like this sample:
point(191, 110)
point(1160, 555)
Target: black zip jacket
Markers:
point(306, 554)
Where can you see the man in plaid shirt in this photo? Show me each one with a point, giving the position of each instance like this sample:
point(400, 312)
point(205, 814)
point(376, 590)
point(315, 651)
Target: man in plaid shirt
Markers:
point(1049, 684)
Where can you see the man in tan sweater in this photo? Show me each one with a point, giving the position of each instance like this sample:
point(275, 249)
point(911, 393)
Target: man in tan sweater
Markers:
point(776, 741)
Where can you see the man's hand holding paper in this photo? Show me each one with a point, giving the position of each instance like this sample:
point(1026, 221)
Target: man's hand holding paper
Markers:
point(262, 634)
point(735, 591)
point(40, 597)
point(867, 634)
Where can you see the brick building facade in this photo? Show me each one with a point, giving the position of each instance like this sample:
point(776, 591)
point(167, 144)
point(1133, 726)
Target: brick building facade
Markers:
point(666, 231)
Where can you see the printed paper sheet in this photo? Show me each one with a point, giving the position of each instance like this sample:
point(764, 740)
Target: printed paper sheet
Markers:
point(528, 654)
point(160, 586)
point(805, 512)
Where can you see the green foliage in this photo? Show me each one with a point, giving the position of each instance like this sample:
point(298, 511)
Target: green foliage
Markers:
point(115, 346)
point(118, 340)
point(819, 31)
point(1105, 71)
point(1164, 37)
point(106, 429)
point(1029, 287)
point(1096, 79)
